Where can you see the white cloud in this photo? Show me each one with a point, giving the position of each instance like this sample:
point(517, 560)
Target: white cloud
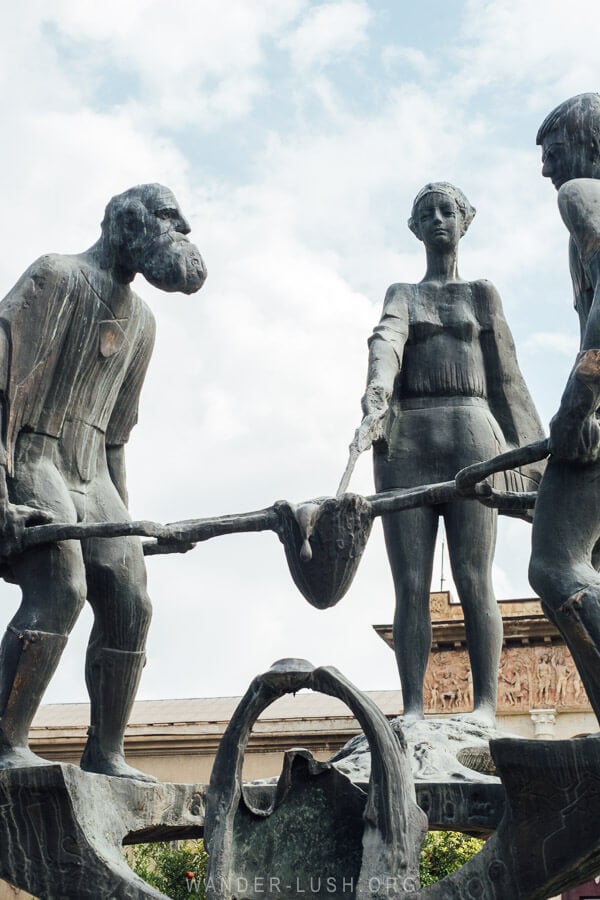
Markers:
point(547, 52)
point(328, 32)
point(199, 62)
point(554, 341)
point(422, 64)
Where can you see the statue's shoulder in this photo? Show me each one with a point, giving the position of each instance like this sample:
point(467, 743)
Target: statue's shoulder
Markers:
point(579, 206)
point(485, 290)
point(486, 298)
point(398, 298)
point(142, 309)
point(582, 194)
point(42, 279)
point(50, 266)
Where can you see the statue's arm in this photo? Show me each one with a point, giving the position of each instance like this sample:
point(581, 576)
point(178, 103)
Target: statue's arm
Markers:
point(509, 397)
point(386, 348)
point(579, 206)
point(574, 430)
point(115, 457)
point(125, 413)
point(13, 517)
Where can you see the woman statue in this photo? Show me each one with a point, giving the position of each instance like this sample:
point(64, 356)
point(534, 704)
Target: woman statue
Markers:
point(444, 390)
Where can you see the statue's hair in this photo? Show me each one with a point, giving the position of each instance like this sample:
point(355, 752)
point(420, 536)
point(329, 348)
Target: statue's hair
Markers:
point(577, 115)
point(127, 217)
point(139, 194)
point(466, 210)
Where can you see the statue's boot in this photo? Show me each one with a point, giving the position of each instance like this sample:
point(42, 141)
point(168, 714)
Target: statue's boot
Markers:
point(112, 678)
point(579, 621)
point(28, 660)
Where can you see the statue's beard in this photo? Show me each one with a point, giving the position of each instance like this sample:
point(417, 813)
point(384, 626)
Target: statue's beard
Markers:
point(172, 263)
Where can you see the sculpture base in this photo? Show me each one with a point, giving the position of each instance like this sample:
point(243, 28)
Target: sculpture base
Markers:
point(62, 829)
point(452, 749)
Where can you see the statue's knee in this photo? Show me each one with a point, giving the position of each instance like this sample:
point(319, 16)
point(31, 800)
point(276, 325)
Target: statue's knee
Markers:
point(470, 580)
point(412, 590)
point(72, 602)
point(545, 578)
point(476, 591)
point(133, 609)
point(538, 576)
point(59, 609)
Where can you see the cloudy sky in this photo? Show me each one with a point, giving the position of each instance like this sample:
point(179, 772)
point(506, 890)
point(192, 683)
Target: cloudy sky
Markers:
point(295, 134)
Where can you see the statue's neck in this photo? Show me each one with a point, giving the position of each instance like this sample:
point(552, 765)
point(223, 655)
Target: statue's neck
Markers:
point(102, 255)
point(113, 285)
point(442, 266)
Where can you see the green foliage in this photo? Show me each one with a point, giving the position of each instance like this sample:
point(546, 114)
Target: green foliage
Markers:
point(166, 866)
point(444, 852)
point(177, 869)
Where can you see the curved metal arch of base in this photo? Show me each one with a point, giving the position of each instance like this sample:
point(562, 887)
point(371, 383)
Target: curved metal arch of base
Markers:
point(393, 825)
point(546, 841)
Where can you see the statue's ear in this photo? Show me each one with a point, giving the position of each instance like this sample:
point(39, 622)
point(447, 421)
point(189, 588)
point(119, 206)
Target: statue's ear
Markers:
point(131, 222)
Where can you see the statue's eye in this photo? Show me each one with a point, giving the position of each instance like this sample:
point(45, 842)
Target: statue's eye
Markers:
point(165, 213)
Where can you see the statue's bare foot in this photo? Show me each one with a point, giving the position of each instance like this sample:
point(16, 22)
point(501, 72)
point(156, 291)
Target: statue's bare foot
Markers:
point(410, 716)
point(111, 764)
point(481, 715)
point(20, 757)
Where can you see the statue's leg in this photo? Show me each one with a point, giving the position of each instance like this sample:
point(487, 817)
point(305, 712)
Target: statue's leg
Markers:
point(52, 581)
point(28, 659)
point(116, 576)
point(566, 530)
point(471, 534)
point(410, 542)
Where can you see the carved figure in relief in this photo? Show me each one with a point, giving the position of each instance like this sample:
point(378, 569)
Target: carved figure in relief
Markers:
point(514, 688)
point(508, 681)
point(520, 690)
point(75, 342)
point(431, 689)
point(544, 679)
point(566, 533)
point(444, 390)
point(577, 687)
point(463, 673)
point(448, 691)
point(563, 673)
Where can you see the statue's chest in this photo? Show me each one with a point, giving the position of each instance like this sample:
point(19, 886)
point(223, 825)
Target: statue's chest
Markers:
point(447, 312)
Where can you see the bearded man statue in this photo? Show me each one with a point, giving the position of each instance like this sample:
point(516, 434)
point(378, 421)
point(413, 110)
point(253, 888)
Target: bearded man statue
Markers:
point(75, 343)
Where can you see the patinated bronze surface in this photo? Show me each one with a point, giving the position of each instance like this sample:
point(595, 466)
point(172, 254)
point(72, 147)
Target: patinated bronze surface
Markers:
point(444, 394)
point(444, 391)
point(319, 823)
point(566, 532)
point(75, 342)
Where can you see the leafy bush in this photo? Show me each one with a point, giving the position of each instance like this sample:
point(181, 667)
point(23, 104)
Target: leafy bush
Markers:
point(444, 852)
point(177, 869)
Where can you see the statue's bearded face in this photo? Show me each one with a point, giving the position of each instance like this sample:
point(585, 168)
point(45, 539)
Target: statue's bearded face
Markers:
point(163, 253)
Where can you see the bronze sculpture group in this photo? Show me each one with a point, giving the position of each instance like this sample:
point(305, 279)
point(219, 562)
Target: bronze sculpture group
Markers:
point(444, 394)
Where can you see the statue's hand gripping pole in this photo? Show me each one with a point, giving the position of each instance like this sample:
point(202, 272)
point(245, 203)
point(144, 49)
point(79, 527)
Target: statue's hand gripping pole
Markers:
point(469, 482)
point(323, 539)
